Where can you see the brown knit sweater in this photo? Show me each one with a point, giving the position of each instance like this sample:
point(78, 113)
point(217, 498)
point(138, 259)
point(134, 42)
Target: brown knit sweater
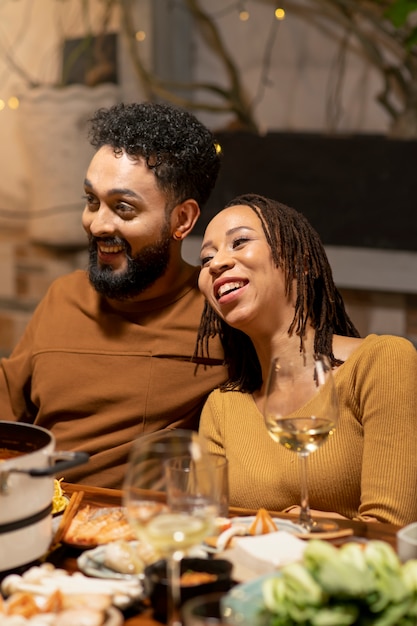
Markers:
point(368, 467)
point(98, 378)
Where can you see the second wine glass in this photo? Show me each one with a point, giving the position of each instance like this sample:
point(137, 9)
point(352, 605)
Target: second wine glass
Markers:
point(170, 498)
point(301, 411)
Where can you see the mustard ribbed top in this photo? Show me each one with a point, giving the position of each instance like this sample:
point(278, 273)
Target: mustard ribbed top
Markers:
point(368, 467)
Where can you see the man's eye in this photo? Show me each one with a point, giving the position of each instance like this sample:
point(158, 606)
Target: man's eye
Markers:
point(90, 199)
point(125, 210)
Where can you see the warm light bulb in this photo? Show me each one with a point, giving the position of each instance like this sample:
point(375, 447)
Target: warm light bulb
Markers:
point(279, 13)
point(13, 102)
point(140, 35)
point(244, 16)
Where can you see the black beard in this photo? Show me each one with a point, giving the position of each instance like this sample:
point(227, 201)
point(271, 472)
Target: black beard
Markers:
point(142, 270)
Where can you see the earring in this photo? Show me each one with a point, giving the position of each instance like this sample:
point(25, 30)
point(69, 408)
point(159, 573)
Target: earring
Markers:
point(178, 235)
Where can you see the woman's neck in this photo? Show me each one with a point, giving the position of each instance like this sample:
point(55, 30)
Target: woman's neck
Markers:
point(281, 344)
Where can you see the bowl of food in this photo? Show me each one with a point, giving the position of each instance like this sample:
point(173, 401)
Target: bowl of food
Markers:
point(198, 576)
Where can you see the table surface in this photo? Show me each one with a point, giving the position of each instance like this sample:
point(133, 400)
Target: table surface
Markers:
point(67, 557)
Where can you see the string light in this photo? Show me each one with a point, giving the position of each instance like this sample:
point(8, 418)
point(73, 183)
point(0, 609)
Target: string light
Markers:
point(13, 102)
point(280, 13)
point(140, 35)
point(243, 12)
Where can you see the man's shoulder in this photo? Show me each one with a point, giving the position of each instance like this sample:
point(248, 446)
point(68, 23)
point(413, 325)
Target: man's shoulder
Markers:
point(77, 278)
point(75, 284)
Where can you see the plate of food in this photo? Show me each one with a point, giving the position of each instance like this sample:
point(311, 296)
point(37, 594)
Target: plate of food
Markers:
point(118, 559)
point(244, 604)
point(92, 527)
point(260, 524)
point(26, 609)
point(356, 583)
point(52, 587)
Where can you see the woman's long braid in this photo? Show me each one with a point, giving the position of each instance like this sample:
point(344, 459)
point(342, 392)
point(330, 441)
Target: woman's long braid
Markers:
point(298, 250)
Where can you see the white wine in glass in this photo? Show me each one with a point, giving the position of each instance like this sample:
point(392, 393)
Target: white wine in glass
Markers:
point(170, 499)
point(301, 411)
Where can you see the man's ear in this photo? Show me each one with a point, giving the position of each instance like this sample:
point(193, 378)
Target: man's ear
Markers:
point(184, 217)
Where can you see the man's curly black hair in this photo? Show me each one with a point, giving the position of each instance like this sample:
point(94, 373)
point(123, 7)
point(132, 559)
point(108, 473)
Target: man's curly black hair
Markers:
point(179, 149)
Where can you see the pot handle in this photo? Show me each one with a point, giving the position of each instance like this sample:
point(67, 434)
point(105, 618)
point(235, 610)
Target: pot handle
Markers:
point(68, 459)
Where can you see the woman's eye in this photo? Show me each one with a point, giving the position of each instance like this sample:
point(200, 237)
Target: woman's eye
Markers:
point(205, 260)
point(239, 241)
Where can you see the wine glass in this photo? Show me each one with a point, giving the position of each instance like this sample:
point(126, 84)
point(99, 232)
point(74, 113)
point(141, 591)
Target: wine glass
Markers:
point(170, 498)
point(301, 411)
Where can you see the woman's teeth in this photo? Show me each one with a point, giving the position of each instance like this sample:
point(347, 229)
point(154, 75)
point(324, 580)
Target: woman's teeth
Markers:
point(228, 287)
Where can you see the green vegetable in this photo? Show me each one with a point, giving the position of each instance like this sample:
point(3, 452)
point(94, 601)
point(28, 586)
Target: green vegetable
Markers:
point(351, 585)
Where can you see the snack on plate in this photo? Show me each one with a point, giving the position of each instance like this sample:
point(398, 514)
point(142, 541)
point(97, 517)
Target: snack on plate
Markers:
point(191, 578)
point(59, 499)
point(56, 609)
point(261, 525)
point(127, 557)
point(222, 523)
point(43, 580)
point(91, 526)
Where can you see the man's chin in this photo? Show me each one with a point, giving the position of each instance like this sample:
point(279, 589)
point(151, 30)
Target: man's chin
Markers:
point(111, 269)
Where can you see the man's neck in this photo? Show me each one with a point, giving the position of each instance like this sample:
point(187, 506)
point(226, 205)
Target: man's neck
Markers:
point(166, 287)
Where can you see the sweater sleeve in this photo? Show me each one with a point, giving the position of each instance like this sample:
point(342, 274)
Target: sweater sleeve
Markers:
point(210, 424)
point(387, 387)
point(16, 376)
point(6, 410)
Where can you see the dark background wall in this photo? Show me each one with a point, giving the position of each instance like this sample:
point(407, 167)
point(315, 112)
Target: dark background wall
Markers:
point(357, 190)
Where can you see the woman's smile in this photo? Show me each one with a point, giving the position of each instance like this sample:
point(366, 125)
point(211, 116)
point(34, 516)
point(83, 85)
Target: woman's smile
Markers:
point(226, 287)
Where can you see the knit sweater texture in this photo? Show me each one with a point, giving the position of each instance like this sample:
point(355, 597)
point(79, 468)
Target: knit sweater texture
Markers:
point(368, 467)
point(99, 377)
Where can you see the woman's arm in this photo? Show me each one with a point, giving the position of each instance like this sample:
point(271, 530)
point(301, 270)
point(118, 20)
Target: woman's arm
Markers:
point(387, 389)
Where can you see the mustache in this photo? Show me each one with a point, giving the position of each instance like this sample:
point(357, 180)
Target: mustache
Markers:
point(110, 241)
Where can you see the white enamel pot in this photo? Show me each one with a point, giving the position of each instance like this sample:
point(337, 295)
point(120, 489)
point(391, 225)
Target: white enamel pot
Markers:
point(26, 491)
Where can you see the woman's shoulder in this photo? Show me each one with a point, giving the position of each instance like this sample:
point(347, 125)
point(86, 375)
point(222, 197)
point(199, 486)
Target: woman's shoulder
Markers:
point(373, 345)
point(230, 397)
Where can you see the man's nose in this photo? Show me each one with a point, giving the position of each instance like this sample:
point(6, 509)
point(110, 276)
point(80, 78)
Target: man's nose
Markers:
point(102, 222)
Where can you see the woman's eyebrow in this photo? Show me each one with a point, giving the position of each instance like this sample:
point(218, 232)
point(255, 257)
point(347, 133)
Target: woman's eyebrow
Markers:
point(231, 231)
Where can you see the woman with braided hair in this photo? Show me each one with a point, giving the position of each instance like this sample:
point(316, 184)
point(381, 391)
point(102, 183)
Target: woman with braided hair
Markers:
point(269, 291)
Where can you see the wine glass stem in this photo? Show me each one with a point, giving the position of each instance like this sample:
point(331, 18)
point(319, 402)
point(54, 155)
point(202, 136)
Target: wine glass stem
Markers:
point(305, 517)
point(174, 588)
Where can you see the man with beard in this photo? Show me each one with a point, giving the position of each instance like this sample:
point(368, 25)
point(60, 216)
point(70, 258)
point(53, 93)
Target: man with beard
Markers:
point(108, 353)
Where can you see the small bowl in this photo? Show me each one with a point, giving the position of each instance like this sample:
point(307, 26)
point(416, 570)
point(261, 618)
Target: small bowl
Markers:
point(155, 581)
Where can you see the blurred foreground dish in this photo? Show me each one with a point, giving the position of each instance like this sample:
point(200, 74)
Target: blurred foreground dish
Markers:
point(58, 609)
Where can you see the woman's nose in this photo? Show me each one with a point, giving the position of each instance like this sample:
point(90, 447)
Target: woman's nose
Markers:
point(221, 262)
